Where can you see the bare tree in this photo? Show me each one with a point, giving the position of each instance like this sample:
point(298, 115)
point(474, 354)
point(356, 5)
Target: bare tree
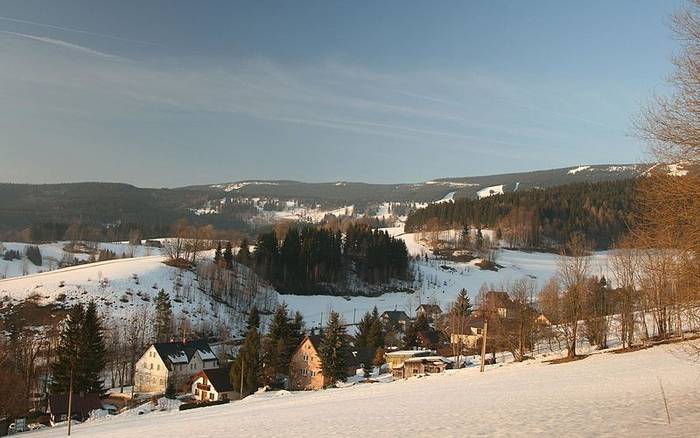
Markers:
point(573, 267)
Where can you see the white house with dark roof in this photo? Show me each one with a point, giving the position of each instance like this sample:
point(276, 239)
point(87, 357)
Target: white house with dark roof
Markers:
point(175, 362)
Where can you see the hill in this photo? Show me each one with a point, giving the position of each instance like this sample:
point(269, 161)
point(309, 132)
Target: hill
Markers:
point(244, 205)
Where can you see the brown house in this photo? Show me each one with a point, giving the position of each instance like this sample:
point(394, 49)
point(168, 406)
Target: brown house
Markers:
point(306, 372)
point(431, 312)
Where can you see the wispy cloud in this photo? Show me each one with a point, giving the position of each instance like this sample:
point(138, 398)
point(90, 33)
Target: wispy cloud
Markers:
point(61, 43)
point(84, 32)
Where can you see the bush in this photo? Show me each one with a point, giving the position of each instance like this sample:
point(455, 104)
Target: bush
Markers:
point(186, 406)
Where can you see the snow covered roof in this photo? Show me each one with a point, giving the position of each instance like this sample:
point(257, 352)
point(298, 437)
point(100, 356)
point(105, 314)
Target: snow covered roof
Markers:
point(177, 353)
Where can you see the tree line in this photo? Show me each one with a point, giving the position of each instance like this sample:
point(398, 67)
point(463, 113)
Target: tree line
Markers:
point(313, 260)
point(601, 211)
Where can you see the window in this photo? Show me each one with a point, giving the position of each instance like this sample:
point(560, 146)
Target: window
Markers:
point(304, 372)
point(196, 392)
point(211, 396)
point(158, 367)
point(151, 365)
point(305, 357)
point(313, 373)
point(161, 381)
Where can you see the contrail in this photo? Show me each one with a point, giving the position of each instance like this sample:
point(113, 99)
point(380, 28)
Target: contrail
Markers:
point(84, 32)
point(61, 43)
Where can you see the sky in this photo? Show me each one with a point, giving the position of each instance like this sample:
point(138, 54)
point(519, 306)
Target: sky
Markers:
point(172, 93)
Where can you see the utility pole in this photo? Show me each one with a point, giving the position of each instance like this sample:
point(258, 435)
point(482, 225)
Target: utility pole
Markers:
point(483, 345)
point(70, 398)
point(240, 393)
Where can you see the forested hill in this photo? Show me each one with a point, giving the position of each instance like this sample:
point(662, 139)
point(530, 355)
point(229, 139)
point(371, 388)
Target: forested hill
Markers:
point(537, 218)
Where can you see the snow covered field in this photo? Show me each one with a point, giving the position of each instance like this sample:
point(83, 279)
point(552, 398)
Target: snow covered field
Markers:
point(441, 281)
point(605, 394)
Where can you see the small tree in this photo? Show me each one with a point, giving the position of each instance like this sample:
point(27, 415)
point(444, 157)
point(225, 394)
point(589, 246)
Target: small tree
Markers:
point(170, 391)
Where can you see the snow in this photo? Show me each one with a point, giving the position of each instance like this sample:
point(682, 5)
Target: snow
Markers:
point(676, 170)
point(447, 198)
point(240, 185)
point(603, 395)
point(490, 191)
point(576, 170)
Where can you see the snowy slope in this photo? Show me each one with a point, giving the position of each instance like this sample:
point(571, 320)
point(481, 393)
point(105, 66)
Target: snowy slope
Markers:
point(122, 286)
point(604, 395)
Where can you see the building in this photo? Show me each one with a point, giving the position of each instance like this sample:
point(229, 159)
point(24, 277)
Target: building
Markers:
point(473, 331)
point(175, 362)
point(305, 369)
point(397, 318)
point(213, 384)
point(421, 365)
point(81, 406)
point(306, 372)
point(395, 359)
point(432, 312)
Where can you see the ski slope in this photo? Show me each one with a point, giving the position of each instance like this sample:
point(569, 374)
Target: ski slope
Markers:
point(605, 394)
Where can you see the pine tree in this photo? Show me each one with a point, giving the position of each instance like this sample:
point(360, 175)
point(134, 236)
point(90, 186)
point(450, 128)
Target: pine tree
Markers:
point(92, 356)
point(279, 344)
point(247, 361)
point(253, 319)
point(243, 256)
point(334, 350)
point(68, 351)
point(163, 316)
point(367, 367)
point(420, 325)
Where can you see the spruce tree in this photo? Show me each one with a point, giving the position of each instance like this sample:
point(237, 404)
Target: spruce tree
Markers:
point(228, 256)
point(367, 367)
point(217, 254)
point(163, 316)
point(170, 391)
point(334, 350)
point(279, 344)
point(92, 354)
point(68, 351)
point(243, 256)
point(247, 361)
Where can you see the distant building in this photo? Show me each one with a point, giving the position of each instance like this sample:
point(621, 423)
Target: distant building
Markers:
point(422, 365)
point(81, 406)
point(174, 362)
point(213, 384)
point(395, 317)
point(432, 312)
point(473, 331)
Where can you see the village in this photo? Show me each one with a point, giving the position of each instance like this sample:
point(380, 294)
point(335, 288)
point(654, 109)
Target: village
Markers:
point(196, 373)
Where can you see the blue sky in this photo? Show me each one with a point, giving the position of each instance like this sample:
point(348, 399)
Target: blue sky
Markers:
point(170, 93)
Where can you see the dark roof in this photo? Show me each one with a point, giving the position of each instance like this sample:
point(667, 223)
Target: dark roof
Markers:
point(169, 350)
point(395, 315)
point(219, 378)
point(82, 404)
point(360, 356)
point(430, 308)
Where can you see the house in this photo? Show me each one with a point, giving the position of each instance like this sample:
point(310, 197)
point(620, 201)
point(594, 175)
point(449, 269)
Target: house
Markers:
point(422, 365)
point(431, 312)
point(175, 362)
point(473, 331)
point(306, 372)
point(213, 384)
point(429, 339)
point(396, 359)
point(496, 303)
point(397, 318)
point(81, 406)
point(305, 368)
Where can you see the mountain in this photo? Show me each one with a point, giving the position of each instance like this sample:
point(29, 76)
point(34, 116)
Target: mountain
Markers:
point(244, 205)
